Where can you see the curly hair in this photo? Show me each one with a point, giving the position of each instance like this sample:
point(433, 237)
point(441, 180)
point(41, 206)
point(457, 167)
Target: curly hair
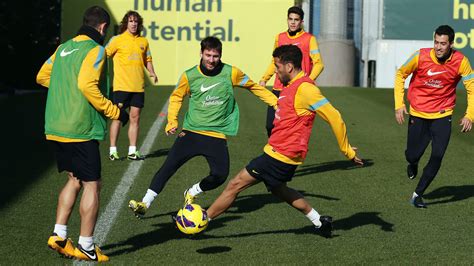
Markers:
point(289, 54)
point(124, 22)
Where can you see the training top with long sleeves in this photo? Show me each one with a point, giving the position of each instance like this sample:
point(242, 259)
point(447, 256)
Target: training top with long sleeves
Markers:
point(312, 61)
point(432, 89)
point(310, 100)
point(130, 55)
point(238, 79)
point(63, 80)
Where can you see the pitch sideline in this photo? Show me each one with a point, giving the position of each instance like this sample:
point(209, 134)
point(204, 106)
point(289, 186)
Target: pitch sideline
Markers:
point(107, 218)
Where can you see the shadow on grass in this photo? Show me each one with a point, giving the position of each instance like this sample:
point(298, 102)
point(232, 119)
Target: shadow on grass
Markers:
point(452, 193)
point(163, 233)
point(361, 219)
point(349, 223)
point(167, 231)
point(330, 166)
point(157, 153)
point(250, 203)
point(26, 154)
point(214, 250)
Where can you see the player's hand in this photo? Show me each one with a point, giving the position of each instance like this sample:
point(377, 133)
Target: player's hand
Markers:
point(466, 124)
point(356, 159)
point(400, 115)
point(171, 131)
point(154, 78)
point(262, 83)
point(123, 117)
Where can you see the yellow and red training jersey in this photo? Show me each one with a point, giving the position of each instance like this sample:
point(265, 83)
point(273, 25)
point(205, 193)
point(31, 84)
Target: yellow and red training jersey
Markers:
point(312, 64)
point(239, 79)
point(432, 89)
point(130, 55)
point(307, 101)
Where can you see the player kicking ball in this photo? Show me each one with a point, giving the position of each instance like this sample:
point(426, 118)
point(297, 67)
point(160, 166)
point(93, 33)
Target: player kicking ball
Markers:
point(298, 104)
point(212, 115)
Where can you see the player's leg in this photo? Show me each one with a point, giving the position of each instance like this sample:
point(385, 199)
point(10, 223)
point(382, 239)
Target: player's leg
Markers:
point(292, 197)
point(217, 155)
point(182, 150)
point(441, 133)
point(418, 138)
point(121, 99)
point(67, 197)
point(271, 115)
point(296, 200)
point(89, 207)
point(88, 170)
point(137, 102)
point(114, 133)
point(239, 183)
point(133, 130)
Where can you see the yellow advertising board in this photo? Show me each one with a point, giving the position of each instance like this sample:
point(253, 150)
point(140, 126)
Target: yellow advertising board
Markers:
point(174, 29)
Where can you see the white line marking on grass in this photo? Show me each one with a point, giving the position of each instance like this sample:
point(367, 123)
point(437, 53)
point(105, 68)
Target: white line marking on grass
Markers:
point(107, 218)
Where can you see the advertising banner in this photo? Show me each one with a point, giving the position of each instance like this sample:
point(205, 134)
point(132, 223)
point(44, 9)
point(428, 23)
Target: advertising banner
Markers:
point(174, 29)
point(417, 20)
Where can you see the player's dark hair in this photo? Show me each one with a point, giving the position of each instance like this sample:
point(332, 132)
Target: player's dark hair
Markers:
point(446, 30)
point(296, 10)
point(94, 16)
point(124, 22)
point(211, 43)
point(289, 54)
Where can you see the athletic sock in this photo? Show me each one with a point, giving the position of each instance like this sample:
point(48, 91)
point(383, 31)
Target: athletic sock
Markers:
point(414, 195)
point(314, 216)
point(60, 230)
point(195, 190)
point(112, 150)
point(86, 242)
point(132, 149)
point(149, 197)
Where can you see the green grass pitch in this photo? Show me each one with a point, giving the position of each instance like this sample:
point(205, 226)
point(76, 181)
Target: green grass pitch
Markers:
point(374, 222)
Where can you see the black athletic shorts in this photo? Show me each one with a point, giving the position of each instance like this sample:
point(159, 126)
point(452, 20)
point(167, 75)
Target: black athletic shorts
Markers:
point(125, 99)
point(80, 158)
point(271, 171)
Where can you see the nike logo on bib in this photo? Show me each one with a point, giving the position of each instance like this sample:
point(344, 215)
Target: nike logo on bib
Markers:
point(434, 73)
point(65, 53)
point(204, 89)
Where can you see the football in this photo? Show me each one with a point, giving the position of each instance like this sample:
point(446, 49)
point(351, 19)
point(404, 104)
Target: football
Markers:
point(191, 219)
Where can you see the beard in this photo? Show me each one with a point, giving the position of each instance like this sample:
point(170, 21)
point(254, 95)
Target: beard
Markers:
point(445, 57)
point(284, 80)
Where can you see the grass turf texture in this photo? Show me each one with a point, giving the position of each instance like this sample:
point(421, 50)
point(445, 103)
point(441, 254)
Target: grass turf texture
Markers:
point(374, 222)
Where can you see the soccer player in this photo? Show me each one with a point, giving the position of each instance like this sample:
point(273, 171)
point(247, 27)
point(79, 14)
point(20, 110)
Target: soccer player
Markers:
point(74, 122)
point(432, 96)
point(131, 53)
point(311, 62)
point(299, 102)
point(212, 114)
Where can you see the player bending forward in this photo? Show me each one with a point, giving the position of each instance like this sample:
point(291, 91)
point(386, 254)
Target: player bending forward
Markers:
point(299, 102)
